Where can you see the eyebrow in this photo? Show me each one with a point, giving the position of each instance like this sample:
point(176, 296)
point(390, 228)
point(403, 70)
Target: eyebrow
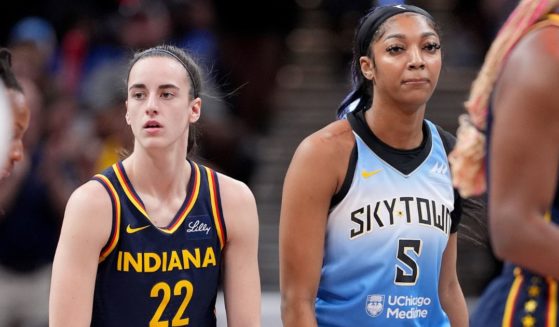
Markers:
point(403, 36)
point(161, 87)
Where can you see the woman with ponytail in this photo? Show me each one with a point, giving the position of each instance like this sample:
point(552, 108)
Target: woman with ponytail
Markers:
point(148, 241)
point(369, 215)
point(513, 116)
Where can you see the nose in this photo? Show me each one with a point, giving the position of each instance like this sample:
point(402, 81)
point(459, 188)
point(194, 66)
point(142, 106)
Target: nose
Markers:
point(152, 105)
point(16, 151)
point(416, 60)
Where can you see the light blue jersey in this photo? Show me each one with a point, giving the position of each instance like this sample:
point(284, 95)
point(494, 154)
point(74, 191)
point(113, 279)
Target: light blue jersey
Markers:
point(385, 241)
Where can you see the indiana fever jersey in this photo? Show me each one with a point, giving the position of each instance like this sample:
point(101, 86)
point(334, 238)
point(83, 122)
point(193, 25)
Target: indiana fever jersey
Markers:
point(150, 276)
point(385, 241)
point(518, 296)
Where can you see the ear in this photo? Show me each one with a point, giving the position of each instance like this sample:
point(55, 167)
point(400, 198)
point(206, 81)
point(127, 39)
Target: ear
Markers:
point(127, 116)
point(195, 110)
point(367, 68)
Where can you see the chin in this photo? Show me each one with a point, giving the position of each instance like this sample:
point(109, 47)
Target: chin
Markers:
point(5, 173)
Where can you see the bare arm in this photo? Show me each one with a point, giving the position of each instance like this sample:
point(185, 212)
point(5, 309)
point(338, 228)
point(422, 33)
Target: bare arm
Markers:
point(450, 292)
point(85, 230)
point(525, 155)
point(309, 185)
point(241, 277)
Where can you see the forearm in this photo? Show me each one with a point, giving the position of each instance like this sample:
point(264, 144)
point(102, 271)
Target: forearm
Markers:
point(68, 305)
point(454, 304)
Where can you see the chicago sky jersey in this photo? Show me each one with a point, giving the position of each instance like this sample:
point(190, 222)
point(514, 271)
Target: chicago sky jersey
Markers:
point(385, 241)
point(153, 276)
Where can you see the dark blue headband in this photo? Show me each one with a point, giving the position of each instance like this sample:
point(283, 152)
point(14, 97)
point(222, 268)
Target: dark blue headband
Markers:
point(195, 86)
point(377, 17)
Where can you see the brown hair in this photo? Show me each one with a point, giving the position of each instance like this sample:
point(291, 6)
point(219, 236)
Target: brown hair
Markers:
point(193, 71)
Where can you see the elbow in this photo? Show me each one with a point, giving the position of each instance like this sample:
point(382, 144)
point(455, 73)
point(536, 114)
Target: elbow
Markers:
point(295, 310)
point(505, 236)
point(287, 309)
point(502, 250)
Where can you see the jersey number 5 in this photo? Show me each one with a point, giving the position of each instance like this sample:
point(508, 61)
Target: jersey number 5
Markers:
point(178, 319)
point(404, 247)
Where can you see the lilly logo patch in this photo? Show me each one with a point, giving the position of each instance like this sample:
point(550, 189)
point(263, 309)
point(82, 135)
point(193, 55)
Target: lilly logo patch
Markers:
point(199, 227)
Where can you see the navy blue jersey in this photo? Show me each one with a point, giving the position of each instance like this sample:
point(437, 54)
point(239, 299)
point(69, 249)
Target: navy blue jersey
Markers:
point(153, 276)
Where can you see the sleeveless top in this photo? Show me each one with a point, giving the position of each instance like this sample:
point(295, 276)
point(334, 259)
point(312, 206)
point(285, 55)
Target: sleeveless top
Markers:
point(528, 296)
point(385, 240)
point(152, 276)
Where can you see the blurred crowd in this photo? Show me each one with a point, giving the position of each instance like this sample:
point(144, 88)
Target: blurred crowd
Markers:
point(71, 56)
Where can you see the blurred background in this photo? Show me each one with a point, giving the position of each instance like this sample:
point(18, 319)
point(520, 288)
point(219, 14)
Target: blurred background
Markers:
point(276, 71)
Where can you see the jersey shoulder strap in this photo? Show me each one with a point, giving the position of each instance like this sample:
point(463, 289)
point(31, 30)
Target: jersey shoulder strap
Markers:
point(448, 139)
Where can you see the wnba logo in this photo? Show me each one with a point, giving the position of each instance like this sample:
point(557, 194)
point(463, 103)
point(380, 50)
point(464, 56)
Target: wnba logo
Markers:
point(374, 305)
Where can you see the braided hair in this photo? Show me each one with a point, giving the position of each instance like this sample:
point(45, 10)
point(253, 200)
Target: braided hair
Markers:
point(467, 158)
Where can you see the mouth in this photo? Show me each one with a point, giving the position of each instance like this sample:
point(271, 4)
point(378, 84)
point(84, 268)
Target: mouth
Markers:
point(415, 81)
point(152, 124)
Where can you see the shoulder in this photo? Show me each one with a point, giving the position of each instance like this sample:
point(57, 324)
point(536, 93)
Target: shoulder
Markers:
point(239, 207)
point(90, 196)
point(542, 41)
point(330, 142)
point(535, 58)
point(233, 190)
point(89, 214)
point(320, 162)
point(531, 73)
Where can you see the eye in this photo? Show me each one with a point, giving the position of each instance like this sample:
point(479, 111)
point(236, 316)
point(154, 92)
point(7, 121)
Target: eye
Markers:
point(137, 95)
point(167, 95)
point(432, 47)
point(394, 49)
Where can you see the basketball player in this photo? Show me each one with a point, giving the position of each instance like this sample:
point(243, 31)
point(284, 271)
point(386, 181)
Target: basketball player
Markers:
point(20, 112)
point(143, 243)
point(520, 75)
point(369, 215)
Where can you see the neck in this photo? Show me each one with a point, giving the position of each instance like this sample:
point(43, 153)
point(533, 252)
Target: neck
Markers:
point(159, 173)
point(399, 128)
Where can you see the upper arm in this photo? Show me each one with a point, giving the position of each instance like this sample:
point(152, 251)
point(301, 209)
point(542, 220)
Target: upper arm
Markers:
point(241, 275)
point(525, 134)
point(448, 265)
point(85, 230)
point(314, 176)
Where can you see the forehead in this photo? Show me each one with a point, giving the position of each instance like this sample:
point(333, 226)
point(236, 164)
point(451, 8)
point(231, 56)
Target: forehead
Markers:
point(20, 110)
point(158, 70)
point(407, 24)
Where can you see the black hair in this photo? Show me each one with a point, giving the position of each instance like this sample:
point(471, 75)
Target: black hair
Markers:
point(6, 73)
point(192, 68)
point(370, 29)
